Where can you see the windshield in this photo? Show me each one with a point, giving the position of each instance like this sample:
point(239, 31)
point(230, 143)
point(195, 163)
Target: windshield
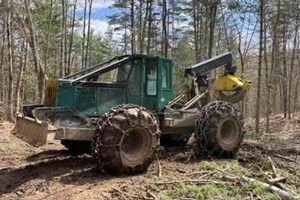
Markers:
point(118, 75)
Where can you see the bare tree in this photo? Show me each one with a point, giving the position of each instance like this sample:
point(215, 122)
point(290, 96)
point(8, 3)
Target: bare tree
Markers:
point(72, 36)
point(83, 36)
point(31, 39)
point(258, 94)
point(9, 109)
point(87, 51)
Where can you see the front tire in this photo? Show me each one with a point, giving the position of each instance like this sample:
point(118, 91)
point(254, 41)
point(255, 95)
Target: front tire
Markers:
point(219, 130)
point(126, 140)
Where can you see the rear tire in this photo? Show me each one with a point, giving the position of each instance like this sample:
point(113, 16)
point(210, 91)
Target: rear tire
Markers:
point(219, 130)
point(126, 140)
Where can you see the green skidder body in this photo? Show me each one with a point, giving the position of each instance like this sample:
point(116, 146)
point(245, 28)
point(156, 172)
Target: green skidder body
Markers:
point(122, 110)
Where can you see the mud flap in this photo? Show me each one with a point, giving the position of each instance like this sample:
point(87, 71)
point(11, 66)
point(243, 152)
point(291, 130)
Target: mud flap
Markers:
point(32, 131)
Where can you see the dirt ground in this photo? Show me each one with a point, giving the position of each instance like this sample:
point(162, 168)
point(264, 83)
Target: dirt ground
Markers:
point(51, 172)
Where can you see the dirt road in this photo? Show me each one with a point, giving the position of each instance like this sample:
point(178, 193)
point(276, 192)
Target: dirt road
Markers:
point(51, 172)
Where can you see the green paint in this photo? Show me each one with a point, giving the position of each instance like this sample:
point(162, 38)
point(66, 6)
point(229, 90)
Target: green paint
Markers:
point(147, 81)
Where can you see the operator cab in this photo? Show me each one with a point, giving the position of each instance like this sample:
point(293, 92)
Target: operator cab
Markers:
point(137, 79)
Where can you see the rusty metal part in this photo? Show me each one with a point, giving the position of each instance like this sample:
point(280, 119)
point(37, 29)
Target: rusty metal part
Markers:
point(33, 131)
point(177, 99)
point(178, 121)
point(219, 130)
point(126, 140)
point(52, 124)
point(193, 101)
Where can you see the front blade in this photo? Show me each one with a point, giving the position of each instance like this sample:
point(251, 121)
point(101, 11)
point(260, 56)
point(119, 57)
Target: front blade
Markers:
point(31, 131)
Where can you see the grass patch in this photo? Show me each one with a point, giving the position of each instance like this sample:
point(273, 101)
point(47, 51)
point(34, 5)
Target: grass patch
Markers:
point(229, 165)
point(7, 146)
point(264, 137)
point(210, 191)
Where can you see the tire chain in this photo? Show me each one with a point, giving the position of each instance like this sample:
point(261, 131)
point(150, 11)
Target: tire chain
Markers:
point(105, 120)
point(203, 126)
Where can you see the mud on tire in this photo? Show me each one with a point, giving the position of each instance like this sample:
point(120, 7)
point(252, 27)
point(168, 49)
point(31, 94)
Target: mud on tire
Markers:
point(126, 140)
point(219, 130)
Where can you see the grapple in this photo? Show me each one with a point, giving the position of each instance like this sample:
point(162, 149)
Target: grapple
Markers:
point(230, 88)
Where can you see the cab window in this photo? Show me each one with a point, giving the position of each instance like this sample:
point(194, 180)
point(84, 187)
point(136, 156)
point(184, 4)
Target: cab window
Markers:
point(166, 82)
point(151, 77)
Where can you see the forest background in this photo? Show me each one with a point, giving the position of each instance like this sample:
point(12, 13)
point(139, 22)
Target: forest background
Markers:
point(43, 39)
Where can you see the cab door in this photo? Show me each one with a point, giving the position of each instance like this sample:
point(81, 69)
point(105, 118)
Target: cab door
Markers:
point(167, 93)
point(151, 83)
point(134, 83)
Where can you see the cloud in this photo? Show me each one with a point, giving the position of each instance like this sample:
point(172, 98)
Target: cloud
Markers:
point(100, 27)
point(97, 4)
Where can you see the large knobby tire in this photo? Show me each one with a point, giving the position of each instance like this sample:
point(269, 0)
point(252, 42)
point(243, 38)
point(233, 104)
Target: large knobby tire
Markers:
point(126, 140)
point(77, 147)
point(219, 130)
point(174, 140)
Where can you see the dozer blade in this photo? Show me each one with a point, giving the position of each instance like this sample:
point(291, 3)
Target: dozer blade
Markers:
point(230, 88)
point(32, 131)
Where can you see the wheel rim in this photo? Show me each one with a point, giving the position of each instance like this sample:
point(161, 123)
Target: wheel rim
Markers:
point(135, 145)
point(228, 131)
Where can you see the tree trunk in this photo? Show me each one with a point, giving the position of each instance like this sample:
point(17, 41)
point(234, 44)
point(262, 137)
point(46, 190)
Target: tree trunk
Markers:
point(141, 27)
point(292, 68)
point(9, 108)
point(258, 98)
point(87, 51)
point(284, 74)
point(149, 27)
point(20, 79)
point(268, 88)
point(39, 69)
point(62, 41)
point(196, 29)
point(72, 36)
point(83, 37)
point(274, 59)
point(48, 34)
point(132, 41)
point(212, 22)
point(164, 44)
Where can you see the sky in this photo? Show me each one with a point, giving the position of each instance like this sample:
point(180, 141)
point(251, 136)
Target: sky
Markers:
point(100, 9)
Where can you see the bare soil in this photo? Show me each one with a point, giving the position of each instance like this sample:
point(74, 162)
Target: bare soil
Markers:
point(51, 172)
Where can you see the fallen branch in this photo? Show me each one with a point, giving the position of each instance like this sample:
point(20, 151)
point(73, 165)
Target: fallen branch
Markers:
point(202, 173)
point(152, 195)
point(273, 166)
point(126, 194)
point(277, 180)
point(190, 181)
point(284, 194)
point(286, 158)
point(159, 167)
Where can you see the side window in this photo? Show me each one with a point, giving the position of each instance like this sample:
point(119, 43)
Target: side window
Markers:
point(166, 75)
point(151, 77)
point(134, 78)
